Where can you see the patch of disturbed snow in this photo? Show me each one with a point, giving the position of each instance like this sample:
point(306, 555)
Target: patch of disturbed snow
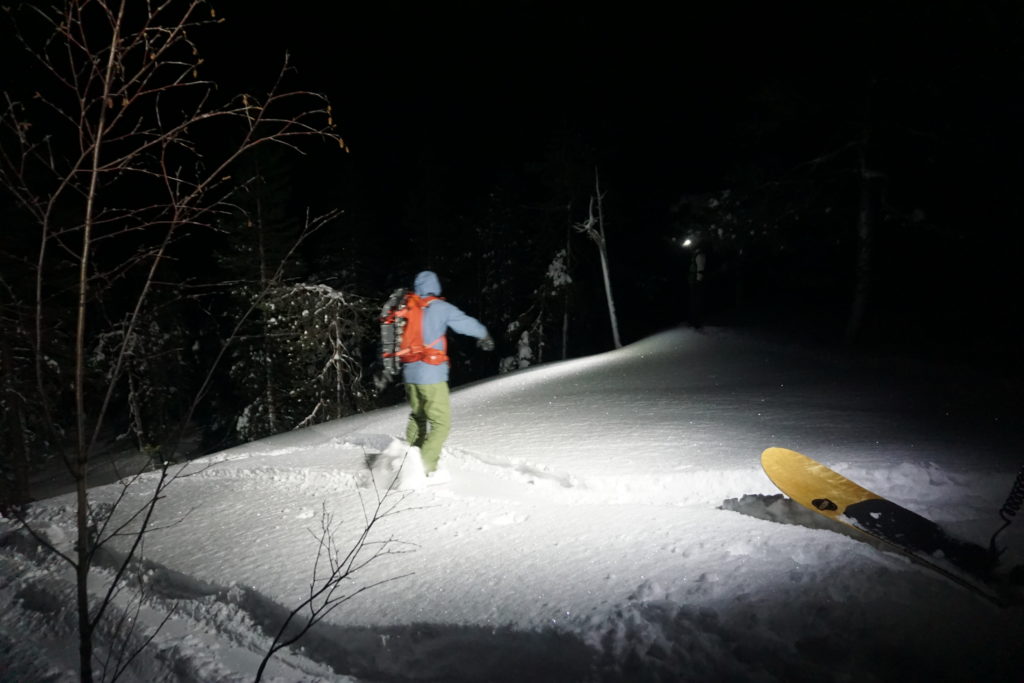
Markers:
point(607, 519)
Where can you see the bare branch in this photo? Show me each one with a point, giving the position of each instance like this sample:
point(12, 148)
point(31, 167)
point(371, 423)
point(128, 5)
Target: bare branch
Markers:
point(105, 158)
point(331, 572)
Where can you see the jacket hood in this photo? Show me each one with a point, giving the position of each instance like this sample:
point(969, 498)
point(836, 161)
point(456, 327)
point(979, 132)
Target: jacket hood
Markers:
point(427, 283)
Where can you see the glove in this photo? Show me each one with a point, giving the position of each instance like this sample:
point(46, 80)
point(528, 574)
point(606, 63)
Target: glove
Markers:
point(487, 344)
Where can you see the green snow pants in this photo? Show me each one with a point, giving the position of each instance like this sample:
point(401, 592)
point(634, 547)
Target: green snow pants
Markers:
point(430, 420)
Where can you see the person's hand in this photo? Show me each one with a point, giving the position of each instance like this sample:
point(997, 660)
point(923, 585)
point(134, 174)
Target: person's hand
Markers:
point(487, 344)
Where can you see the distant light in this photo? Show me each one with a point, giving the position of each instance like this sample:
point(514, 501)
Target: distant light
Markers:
point(687, 242)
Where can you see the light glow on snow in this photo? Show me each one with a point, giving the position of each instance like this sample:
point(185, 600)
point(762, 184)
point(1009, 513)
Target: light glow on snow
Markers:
point(603, 514)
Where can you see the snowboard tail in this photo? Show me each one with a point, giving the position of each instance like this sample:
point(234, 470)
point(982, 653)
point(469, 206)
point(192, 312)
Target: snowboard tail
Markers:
point(896, 524)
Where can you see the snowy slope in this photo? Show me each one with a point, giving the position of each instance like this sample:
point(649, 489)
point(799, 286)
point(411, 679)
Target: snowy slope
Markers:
point(607, 519)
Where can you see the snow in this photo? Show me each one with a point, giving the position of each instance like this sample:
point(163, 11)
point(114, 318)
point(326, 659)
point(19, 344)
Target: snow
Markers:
point(607, 518)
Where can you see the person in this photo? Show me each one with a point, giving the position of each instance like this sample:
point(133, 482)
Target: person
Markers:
point(697, 264)
point(426, 384)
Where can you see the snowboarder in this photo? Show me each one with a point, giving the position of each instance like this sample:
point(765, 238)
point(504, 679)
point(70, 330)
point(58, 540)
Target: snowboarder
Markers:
point(426, 382)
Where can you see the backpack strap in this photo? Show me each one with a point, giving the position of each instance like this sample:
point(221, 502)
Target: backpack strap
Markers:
point(431, 353)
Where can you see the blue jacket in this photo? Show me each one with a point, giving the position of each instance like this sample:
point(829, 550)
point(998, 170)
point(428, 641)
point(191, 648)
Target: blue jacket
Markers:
point(437, 318)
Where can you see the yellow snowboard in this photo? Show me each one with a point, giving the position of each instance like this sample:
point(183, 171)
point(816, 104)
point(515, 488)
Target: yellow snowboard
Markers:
point(832, 495)
point(813, 485)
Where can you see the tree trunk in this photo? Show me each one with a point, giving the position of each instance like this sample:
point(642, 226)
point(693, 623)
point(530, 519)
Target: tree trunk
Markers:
point(565, 296)
point(602, 246)
point(865, 246)
point(565, 328)
point(16, 490)
point(84, 544)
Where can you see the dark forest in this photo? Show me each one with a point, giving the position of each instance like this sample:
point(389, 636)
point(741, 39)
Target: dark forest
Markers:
point(848, 173)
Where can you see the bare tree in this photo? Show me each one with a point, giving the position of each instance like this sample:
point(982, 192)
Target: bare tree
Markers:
point(310, 327)
point(593, 227)
point(121, 156)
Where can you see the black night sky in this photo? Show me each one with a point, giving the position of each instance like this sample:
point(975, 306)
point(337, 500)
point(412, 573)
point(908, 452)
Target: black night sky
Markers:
point(475, 130)
point(464, 99)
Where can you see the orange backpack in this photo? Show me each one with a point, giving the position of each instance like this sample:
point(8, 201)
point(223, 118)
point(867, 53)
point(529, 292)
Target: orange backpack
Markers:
point(408, 321)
